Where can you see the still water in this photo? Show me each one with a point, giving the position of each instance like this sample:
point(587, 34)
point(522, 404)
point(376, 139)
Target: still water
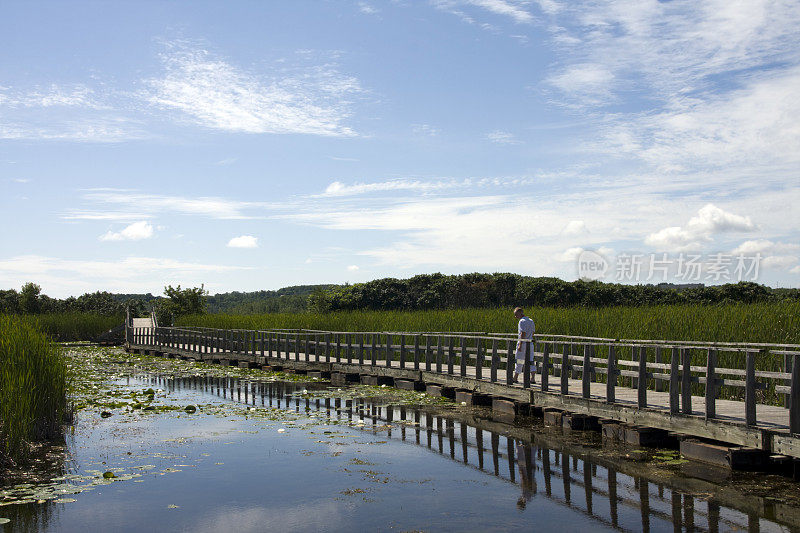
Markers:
point(279, 457)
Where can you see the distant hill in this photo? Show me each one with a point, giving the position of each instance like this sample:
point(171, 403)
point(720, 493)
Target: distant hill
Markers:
point(285, 300)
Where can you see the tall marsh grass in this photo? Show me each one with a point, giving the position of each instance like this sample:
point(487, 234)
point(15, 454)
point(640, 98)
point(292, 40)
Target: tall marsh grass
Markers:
point(759, 322)
point(77, 326)
point(33, 386)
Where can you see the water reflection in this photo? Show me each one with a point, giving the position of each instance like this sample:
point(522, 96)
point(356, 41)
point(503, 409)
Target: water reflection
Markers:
point(579, 477)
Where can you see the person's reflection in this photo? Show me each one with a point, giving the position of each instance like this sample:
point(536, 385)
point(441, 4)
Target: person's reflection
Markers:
point(527, 477)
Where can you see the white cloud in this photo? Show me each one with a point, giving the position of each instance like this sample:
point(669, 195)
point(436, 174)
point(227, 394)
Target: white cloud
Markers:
point(218, 95)
point(62, 277)
point(243, 241)
point(134, 232)
point(502, 137)
point(586, 84)
point(764, 246)
point(778, 261)
point(574, 227)
point(709, 221)
point(352, 268)
point(795, 270)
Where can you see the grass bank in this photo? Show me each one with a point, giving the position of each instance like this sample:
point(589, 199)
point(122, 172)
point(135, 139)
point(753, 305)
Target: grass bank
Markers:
point(777, 322)
point(33, 386)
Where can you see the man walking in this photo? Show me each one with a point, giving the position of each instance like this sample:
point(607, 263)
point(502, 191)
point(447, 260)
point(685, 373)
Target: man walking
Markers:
point(525, 329)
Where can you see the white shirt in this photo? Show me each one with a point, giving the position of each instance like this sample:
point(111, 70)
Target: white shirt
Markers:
point(526, 329)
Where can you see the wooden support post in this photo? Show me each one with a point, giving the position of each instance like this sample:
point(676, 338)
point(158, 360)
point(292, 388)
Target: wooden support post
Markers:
point(361, 349)
point(402, 351)
point(611, 377)
point(565, 370)
point(338, 340)
point(794, 396)
point(479, 357)
point(269, 343)
point(711, 384)
point(686, 381)
point(750, 389)
point(348, 349)
point(526, 367)
point(450, 354)
point(463, 357)
point(642, 390)
point(388, 350)
point(586, 375)
point(416, 352)
point(510, 362)
point(297, 346)
point(674, 381)
point(495, 362)
point(545, 367)
point(373, 353)
point(327, 347)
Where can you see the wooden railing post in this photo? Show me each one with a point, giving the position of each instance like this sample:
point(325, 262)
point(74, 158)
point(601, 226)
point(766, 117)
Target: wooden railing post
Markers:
point(545, 367)
point(327, 347)
point(586, 375)
point(388, 350)
point(307, 348)
point(674, 381)
point(439, 354)
point(361, 349)
point(479, 357)
point(348, 348)
point(450, 354)
point(373, 352)
point(427, 353)
point(750, 389)
point(787, 368)
point(711, 384)
point(463, 357)
point(526, 367)
point(794, 396)
point(495, 362)
point(611, 376)
point(659, 386)
point(338, 340)
point(565, 368)
point(402, 351)
point(510, 362)
point(686, 381)
point(416, 352)
point(642, 381)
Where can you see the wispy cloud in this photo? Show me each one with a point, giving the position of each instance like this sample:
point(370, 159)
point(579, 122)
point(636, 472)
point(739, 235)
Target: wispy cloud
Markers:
point(134, 232)
point(214, 93)
point(502, 137)
point(151, 204)
point(515, 10)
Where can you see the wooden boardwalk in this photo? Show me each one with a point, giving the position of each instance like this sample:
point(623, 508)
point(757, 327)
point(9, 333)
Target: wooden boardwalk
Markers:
point(678, 387)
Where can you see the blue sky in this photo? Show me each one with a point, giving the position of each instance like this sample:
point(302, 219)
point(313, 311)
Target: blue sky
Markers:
point(254, 145)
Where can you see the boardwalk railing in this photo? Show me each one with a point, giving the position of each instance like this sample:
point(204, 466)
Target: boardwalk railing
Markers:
point(680, 375)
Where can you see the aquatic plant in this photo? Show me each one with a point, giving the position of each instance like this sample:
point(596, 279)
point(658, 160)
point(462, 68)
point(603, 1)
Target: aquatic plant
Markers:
point(33, 386)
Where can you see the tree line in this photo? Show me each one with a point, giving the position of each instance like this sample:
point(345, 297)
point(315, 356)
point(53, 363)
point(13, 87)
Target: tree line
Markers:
point(439, 291)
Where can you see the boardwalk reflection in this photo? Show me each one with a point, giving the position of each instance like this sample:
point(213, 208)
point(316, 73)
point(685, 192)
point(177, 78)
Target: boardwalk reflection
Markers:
point(618, 494)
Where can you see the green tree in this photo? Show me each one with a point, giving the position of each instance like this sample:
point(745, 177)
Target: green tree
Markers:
point(180, 302)
point(29, 298)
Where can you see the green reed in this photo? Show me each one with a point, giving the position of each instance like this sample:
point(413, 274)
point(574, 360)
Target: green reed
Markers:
point(77, 326)
point(760, 322)
point(33, 386)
